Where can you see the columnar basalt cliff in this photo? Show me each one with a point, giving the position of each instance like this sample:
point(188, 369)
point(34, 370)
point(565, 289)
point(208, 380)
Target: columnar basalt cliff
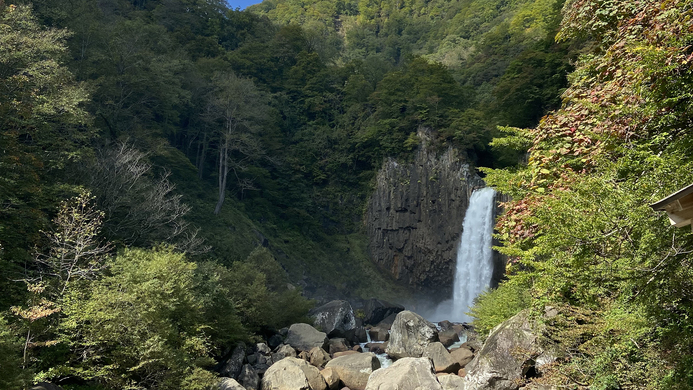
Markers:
point(414, 217)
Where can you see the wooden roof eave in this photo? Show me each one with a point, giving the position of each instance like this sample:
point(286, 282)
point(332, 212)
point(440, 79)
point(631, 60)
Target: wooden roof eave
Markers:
point(661, 204)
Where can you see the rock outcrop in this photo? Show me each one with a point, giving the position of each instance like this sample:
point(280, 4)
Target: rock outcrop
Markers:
point(510, 354)
point(409, 336)
point(405, 374)
point(415, 215)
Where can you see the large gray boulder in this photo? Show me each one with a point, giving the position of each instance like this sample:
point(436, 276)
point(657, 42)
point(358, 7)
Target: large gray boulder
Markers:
point(318, 357)
point(448, 337)
point(334, 318)
point(409, 336)
point(293, 374)
point(233, 365)
point(376, 310)
point(331, 378)
point(249, 378)
point(405, 374)
point(282, 352)
point(463, 356)
point(353, 370)
point(509, 353)
point(379, 334)
point(229, 384)
point(304, 337)
point(451, 382)
point(442, 361)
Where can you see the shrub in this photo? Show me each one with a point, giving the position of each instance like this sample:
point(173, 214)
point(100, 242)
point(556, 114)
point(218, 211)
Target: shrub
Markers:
point(495, 306)
point(140, 326)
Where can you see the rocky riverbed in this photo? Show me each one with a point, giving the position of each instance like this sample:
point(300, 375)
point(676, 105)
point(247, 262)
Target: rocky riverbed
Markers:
point(384, 347)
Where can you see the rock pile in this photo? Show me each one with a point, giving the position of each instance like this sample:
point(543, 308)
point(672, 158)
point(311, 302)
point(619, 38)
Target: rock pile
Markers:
point(306, 358)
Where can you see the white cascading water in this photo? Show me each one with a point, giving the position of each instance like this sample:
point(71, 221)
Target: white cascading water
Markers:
point(474, 254)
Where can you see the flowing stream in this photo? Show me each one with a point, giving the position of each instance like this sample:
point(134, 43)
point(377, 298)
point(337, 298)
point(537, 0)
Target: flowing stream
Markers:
point(474, 254)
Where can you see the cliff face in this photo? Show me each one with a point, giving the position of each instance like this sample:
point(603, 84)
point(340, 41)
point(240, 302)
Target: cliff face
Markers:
point(414, 218)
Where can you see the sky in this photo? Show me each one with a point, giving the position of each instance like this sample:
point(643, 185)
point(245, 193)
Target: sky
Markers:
point(241, 3)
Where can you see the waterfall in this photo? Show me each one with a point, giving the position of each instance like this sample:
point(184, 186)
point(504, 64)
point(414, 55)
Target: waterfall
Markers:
point(474, 254)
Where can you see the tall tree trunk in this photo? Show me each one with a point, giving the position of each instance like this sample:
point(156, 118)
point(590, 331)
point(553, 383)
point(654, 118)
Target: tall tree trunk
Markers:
point(223, 173)
point(202, 155)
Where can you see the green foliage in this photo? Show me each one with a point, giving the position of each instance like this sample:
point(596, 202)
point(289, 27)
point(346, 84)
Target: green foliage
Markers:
point(12, 377)
point(579, 227)
point(495, 306)
point(140, 326)
point(41, 126)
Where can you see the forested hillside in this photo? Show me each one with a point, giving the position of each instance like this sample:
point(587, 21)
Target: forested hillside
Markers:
point(579, 231)
point(177, 176)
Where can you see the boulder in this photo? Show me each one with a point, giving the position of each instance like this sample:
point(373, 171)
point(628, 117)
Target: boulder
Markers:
point(448, 337)
point(462, 356)
point(318, 357)
point(458, 328)
point(353, 370)
point(227, 384)
point(293, 374)
point(261, 368)
point(387, 322)
point(509, 353)
point(405, 374)
point(376, 347)
point(344, 353)
point(275, 341)
point(305, 355)
point(451, 382)
point(445, 325)
point(409, 335)
point(376, 310)
point(249, 378)
point(378, 333)
point(304, 337)
point(331, 378)
point(442, 361)
point(357, 348)
point(338, 345)
point(334, 318)
point(282, 352)
point(233, 365)
point(264, 348)
point(356, 335)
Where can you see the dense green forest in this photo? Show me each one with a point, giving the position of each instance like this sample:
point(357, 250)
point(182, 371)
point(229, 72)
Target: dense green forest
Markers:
point(192, 173)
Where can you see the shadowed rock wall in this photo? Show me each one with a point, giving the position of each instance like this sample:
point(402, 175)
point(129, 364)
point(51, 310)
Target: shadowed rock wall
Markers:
point(414, 218)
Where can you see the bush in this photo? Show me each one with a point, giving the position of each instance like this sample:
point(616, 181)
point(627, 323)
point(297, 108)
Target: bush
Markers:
point(140, 326)
point(495, 306)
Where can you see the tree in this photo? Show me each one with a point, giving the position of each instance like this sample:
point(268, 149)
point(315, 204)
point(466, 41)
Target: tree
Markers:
point(140, 208)
point(140, 326)
point(12, 377)
point(42, 126)
point(75, 249)
point(237, 108)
